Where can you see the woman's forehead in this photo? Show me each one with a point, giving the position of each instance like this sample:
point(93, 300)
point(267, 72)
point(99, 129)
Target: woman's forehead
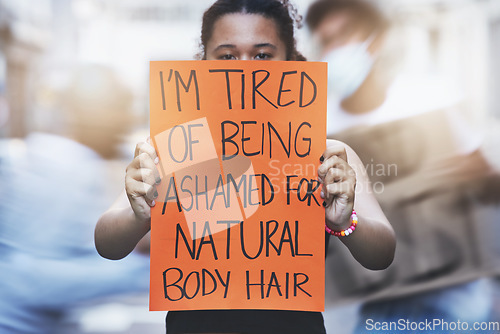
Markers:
point(245, 29)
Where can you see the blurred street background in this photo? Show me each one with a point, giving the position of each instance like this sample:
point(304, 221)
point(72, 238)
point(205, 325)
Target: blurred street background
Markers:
point(79, 70)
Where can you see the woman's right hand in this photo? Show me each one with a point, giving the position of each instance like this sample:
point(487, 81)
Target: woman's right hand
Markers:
point(141, 179)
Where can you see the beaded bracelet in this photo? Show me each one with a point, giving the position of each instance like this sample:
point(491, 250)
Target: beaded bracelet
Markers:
point(347, 231)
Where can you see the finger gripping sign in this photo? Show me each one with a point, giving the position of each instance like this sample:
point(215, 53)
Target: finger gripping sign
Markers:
point(239, 222)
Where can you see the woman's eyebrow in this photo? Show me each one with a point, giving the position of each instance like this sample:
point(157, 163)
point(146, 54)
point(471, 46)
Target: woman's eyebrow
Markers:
point(264, 45)
point(225, 46)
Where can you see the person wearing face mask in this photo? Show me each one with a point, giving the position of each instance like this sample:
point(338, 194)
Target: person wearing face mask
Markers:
point(355, 84)
point(350, 65)
point(427, 169)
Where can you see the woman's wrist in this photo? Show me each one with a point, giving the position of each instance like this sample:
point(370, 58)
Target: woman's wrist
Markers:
point(343, 222)
point(345, 229)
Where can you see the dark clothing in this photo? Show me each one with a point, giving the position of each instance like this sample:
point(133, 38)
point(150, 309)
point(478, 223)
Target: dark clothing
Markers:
point(245, 322)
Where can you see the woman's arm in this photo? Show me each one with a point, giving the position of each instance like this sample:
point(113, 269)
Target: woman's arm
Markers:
point(346, 186)
point(129, 219)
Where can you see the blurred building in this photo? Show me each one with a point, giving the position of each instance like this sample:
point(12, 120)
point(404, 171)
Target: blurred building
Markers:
point(24, 35)
point(41, 41)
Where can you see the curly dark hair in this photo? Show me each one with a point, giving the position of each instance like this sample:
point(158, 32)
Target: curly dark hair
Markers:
point(282, 12)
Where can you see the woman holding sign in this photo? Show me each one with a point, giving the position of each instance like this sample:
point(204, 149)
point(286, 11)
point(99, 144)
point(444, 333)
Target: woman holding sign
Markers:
point(255, 30)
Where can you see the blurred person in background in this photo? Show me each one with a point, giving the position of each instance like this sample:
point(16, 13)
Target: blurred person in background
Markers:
point(52, 191)
point(427, 168)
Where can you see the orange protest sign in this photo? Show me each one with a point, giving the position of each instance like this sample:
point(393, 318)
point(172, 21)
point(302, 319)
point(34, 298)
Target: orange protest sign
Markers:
point(239, 221)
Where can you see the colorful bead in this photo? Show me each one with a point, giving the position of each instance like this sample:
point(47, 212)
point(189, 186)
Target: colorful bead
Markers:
point(346, 232)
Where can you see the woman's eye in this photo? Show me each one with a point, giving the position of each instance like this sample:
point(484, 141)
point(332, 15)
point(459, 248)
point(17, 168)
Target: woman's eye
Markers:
point(227, 57)
point(263, 56)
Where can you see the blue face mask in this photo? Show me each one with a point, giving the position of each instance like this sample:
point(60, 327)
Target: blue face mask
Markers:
point(348, 67)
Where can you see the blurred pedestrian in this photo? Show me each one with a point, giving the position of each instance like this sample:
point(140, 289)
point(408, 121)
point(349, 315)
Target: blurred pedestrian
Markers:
point(427, 168)
point(53, 188)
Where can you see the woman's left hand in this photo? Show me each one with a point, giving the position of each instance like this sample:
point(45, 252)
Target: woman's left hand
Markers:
point(338, 187)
